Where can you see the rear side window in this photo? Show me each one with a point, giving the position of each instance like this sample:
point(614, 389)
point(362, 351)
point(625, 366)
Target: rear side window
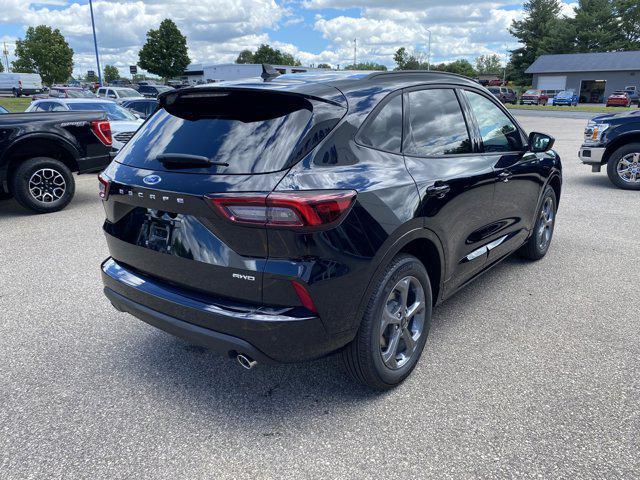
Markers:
point(239, 131)
point(435, 124)
point(384, 130)
point(498, 132)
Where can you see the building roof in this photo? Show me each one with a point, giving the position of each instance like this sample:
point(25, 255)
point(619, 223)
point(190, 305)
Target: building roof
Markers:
point(586, 62)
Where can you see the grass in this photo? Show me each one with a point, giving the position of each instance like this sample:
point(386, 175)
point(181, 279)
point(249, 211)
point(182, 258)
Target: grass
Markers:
point(15, 104)
point(579, 108)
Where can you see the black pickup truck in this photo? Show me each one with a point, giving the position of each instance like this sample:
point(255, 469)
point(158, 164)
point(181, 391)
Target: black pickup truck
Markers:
point(39, 152)
point(614, 141)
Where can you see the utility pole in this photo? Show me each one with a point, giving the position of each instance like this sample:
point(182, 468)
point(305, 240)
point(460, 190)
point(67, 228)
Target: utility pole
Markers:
point(5, 52)
point(429, 52)
point(95, 42)
point(355, 52)
point(504, 71)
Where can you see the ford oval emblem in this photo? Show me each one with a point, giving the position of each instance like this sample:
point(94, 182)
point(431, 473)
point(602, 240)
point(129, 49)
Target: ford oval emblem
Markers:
point(152, 179)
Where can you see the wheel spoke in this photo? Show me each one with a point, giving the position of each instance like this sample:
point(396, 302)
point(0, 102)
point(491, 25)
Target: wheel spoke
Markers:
point(388, 318)
point(403, 289)
point(409, 342)
point(415, 308)
point(389, 355)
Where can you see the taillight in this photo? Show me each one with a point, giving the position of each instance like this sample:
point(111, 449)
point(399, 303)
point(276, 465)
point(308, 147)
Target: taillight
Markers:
point(295, 209)
point(304, 296)
point(102, 130)
point(104, 186)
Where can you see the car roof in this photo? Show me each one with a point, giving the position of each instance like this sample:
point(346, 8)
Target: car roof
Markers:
point(75, 100)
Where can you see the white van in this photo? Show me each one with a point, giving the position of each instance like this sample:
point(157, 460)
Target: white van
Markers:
point(18, 84)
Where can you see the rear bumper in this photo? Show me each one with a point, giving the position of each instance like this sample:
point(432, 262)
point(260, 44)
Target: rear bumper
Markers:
point(267, 335)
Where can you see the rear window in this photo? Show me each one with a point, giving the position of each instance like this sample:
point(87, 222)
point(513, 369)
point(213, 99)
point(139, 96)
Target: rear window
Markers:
point(241, 131)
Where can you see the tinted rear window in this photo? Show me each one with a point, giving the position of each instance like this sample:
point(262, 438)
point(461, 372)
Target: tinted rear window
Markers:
point(252, 132)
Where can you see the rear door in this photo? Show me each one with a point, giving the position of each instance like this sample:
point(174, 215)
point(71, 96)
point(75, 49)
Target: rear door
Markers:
point(454, 180)
point(517, 174)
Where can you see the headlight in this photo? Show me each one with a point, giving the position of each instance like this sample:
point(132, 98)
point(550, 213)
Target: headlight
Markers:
point(594, 132)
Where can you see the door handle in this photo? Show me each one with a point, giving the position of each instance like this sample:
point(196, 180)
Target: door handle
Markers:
point(505, 175)
point(438, 191)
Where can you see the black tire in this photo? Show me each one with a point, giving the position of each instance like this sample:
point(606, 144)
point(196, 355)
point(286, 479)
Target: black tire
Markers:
point(615, 159)
point(363, 357)
point(536, 248)
point(5, 196)
point(55, 194)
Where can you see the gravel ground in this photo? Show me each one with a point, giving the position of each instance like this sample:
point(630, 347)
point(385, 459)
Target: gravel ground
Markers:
point(532, 371)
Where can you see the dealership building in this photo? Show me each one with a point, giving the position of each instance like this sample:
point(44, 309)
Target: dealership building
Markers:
point(594, 75)
point(216, 72)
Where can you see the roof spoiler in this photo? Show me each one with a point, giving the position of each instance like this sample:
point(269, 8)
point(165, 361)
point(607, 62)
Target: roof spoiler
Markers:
point(268, 72)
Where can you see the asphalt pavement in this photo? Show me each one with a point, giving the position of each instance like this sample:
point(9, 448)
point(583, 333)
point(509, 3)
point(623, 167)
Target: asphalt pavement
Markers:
point(530, 372)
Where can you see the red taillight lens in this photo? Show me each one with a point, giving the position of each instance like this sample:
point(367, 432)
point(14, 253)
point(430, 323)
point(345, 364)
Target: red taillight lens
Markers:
point(104, 186)
point(102, 130)
point(297, 209)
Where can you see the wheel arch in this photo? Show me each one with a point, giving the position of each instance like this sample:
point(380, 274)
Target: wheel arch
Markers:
point(31, 146)
point(618, 142)
point(424, 245)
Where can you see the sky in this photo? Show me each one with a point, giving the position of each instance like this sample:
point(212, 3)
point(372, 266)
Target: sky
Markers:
point(314, 31)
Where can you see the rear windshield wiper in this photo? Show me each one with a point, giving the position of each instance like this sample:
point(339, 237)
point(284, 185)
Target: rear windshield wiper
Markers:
point(183, 160)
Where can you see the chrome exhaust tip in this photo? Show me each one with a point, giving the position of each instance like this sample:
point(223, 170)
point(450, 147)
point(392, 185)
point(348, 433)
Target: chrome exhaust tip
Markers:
point(246, 362)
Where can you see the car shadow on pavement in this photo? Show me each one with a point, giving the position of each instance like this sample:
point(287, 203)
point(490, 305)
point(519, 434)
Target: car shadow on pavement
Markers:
point(9, 208)
point(600, 181)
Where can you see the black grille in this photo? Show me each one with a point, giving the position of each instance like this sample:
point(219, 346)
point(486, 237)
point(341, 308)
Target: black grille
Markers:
point(124, 137)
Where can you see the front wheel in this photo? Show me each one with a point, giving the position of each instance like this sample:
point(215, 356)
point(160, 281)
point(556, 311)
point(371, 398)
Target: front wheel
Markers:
point(394, 327)
point(43, 185)
point(623, 167)
point(540, 240)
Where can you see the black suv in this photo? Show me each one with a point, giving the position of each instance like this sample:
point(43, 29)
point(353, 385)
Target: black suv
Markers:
point(283, 220)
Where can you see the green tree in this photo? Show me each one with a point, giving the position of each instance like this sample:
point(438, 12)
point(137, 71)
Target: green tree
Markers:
point(245, 56)
point(46, 52)
point(165, 52)
point(597, 27)
point(366, 66)
point(629, 13)
point(1, 67)
point(324, 65)
point(488, 64)
point(461, 67)
point(111, 73)
point(406, 61)
point(533, 31)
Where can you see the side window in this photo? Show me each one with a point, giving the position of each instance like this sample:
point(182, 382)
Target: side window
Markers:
point(498, 132)
point(56, 107)
point(101, 92)
point(111, 94)
point(44, 107)
point(384, 130)
point(435, 125)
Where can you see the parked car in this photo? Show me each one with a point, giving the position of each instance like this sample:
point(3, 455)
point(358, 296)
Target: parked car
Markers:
point(152, 91)
point(614, 141)
point(141, 107)
point(619, 98)
point(534, 97)
point(118, 94)
point(289, 220)
point(633, 93)
point(3, 110)
point(64, 92)
point(123, 123)
point(504, 94)
point(565, 97)
point(120, 83)
point(39, 152)
point(18, 84)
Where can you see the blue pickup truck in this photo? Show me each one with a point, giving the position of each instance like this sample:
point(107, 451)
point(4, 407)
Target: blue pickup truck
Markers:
point(614, 141)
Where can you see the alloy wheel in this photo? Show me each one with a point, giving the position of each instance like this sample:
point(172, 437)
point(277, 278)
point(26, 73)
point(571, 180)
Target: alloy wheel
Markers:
point(47, 185)
point(628, 167)
point(545, 223)
point(402, 322)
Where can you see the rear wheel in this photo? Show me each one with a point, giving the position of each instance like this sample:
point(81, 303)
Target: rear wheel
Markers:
point(623, 168)
point(43, 185)
point(394, 327)
point(540, 240)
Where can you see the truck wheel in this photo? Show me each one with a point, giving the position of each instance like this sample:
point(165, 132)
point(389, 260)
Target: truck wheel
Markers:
point(43, 185)
point(623, 167)
point(394, 327)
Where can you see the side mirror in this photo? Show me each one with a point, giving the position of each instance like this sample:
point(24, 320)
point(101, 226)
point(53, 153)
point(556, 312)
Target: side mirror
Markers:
point(540, 142)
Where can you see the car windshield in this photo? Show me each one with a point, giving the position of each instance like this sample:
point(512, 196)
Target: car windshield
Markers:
point(532, 92)
point(80, 94)
point(162, 89)
point(3, 110)
point(114, 111)
point(566, 93)
point(127, 93)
